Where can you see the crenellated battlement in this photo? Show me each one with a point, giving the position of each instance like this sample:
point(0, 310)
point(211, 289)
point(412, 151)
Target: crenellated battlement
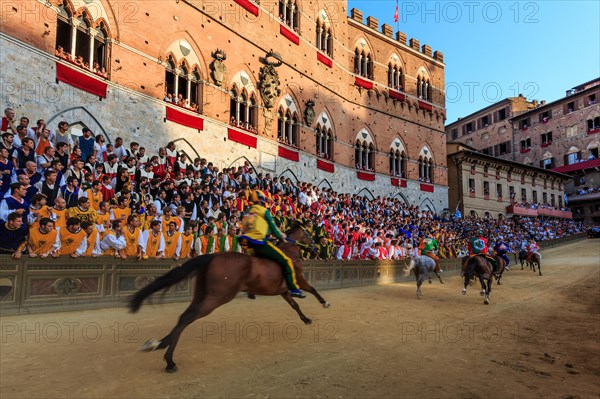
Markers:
point(388, 31)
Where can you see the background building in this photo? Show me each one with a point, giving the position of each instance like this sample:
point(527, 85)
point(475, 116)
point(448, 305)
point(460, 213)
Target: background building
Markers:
point(563, 136)
point(562, 132)
point(295, 88)
point(489, 130)
point(486, 186)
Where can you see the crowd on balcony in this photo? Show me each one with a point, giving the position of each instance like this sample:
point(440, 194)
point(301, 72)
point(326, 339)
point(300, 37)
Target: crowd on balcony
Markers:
point(70, 195)
point(588, 190)
point(80, 62)
point(180, 101)
point(544, 205)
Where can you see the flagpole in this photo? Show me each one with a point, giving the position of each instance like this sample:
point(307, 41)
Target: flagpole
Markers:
point(398, 17)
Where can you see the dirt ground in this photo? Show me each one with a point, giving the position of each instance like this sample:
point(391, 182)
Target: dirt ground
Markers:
point(540, 337)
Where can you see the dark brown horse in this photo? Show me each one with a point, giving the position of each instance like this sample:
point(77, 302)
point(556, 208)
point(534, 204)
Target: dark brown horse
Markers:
point(522, 258)
point(219, 277)
point(478, 266)
point(534, 260)
point(500, 269)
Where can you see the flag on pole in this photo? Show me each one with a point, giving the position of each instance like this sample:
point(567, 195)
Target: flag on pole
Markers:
point(396, 13)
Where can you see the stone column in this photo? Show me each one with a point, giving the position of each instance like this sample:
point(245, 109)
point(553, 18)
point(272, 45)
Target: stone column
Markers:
point(74, 24)
point(176, 85)
point(189, 90)
point(91, 54)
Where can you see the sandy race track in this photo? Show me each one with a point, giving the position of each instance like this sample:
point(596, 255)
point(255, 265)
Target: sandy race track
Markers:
point(538, 338)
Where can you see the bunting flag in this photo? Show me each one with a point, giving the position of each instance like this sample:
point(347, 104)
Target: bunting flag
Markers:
point(396, 13)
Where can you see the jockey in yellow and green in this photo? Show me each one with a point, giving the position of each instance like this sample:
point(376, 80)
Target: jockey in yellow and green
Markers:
point(257, 233)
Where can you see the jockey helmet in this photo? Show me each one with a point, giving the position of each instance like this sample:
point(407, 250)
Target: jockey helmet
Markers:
point(258, 197)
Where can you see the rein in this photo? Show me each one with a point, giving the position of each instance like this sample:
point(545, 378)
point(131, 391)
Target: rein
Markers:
point(306, 247)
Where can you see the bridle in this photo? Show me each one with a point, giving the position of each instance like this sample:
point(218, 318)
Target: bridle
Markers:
point(306, 247)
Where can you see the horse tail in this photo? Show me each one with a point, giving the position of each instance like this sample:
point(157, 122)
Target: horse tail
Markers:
point(168, 279)
point(472, 264)
point(409, 267)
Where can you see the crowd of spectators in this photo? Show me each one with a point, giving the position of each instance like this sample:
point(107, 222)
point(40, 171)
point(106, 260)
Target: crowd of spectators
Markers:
point(180, 101)
point(78, 196)
point(536, 205)
point(80, 62)
point(588, 190)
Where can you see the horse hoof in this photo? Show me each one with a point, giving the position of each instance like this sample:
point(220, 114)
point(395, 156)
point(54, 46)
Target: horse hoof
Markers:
point(441, 281)
point(251, 296)
point(430, 282)
point(464, 292)
point(481, 294)
point(326, 305)
point(486, 301)
point(150, 345)
point(308, 322)
point(171, 369)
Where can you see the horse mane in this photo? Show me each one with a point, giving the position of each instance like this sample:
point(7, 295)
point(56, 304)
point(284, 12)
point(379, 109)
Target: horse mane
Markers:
point(296, 224)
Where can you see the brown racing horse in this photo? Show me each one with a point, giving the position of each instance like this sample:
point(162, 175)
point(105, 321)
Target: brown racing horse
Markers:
point(500, 269)
point(534, 260)
point(522, 258)
point(479, 266)
point(219, 277)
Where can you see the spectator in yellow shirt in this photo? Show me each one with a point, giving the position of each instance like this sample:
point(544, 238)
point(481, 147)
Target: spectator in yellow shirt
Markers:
point(73, 240)
point(172, 242)
point(44, 240)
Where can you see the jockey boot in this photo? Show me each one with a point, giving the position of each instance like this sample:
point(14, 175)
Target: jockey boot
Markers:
point(297, 294)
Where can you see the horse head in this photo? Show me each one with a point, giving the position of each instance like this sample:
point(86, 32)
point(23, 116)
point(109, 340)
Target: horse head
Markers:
point(298, 233)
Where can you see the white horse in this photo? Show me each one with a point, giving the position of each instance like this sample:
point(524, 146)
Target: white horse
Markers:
point(422, 266)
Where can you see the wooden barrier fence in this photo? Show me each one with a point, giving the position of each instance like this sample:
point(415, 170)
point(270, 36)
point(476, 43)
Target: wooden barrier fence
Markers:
point(33, 285)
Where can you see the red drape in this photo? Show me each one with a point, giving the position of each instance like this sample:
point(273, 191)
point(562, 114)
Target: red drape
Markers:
point(326, 166)
point(185, 119)
point(396, 95)
point(80, 80)
point(424, 105)
point(427, 188)
point(363, 83)
point(324, 59)
point(365, 176)
point(249, 6)
point(286, 153)
point(242, 138)
point(292, 36)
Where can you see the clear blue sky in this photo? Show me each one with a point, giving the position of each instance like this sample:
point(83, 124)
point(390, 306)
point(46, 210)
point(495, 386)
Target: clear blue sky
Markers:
point(498, 49)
